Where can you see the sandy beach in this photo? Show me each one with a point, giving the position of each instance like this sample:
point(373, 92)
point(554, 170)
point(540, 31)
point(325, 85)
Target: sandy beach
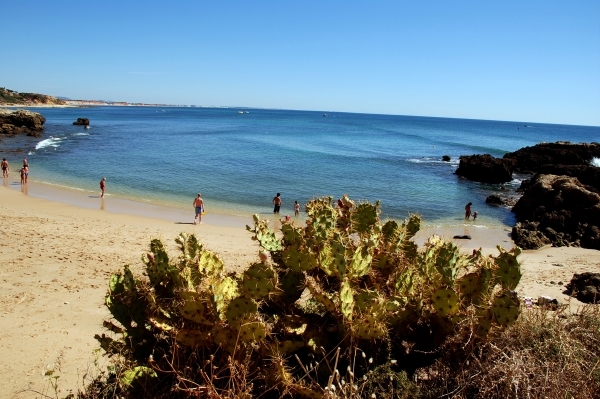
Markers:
point(56, 258)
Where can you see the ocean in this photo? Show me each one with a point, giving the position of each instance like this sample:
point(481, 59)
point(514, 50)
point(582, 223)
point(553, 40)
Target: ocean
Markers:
point(240, 158)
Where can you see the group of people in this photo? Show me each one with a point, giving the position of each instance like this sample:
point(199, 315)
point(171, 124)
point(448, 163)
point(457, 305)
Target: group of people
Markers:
point(277, 205)
point(468, 212)
point(24, 171)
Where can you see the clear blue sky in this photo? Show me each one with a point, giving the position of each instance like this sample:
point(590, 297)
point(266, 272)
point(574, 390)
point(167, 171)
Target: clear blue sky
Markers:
point(536, 61)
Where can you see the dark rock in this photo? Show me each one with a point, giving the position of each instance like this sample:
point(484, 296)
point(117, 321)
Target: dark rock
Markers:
point(557, 210)
point(485, 168)
point(446, 158)
point(526, 235)
point(525, 184)
point(82, 121)
point(21, 121)
point(532, 159)
point(586, 286)
point(465, 237)
point(588, 175)
point(494, 200)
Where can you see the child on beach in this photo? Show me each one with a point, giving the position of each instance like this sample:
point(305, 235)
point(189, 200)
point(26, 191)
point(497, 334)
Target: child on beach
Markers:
point(296, 208)
point(475, 216)
point(22, 171)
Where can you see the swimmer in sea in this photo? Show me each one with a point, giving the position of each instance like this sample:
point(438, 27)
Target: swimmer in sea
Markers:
point(468, 210)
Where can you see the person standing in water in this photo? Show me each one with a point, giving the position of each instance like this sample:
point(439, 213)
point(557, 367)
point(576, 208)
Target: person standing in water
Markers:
point(5, 167)
point(199, 208)
point(277, 203)
point(102, 186)
point(468, 210)
point(296, 208)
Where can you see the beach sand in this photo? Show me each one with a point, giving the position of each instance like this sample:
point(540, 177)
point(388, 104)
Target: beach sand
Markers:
point(56, 258)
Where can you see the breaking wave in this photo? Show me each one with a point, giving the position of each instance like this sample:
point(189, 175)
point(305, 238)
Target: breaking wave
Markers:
point(595, 162)
point(53, 142)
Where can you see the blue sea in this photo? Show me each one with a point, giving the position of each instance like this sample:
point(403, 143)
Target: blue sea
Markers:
point(240, 158)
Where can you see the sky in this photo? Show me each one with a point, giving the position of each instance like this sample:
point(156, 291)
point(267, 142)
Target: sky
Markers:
point(532, 61)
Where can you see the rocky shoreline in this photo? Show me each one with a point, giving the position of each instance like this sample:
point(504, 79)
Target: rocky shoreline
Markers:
point(21, 121)
point(560, 204)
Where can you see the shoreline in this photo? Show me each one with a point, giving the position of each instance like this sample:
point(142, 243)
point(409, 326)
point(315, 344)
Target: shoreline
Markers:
point(57, 258)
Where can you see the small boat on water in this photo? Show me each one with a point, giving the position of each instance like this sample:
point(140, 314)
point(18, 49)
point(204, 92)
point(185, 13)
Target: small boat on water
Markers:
point(240, 112)
point(325, 115)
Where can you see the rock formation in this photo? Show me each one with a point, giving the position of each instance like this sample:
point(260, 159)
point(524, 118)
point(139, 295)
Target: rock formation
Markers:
point(494, 200)
point(82, 121)
point(586, 286)
point(21, 121)
point(446, 158)
point(485, 168)
point(558, 210)
point(532, 159)
point(11, 97)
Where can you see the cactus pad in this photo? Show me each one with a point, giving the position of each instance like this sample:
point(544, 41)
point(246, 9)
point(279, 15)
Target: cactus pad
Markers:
point(360, 263)
point(192, 338)
point(332, 259)
point(194, 308)
point(317, 293)
point(445, 301)
point(223, 291)
point(239, 310)
point(347, 299)
point(253, 331)
point(506, 309)
point(365, 217)
point(299, 259)
point(291, 235)
point(259, 281)
point(369, 327)
point(509, 270)
point(210, 263)
point(469, 284)
point(225, 337)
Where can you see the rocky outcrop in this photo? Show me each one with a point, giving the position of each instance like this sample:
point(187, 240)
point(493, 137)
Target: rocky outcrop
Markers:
point(486, 168)
point(446, 158)
point(587, 175)
point(586, 286)
point(11, 97)
point(558, 210)
point(532, 159)
point(82, 121)
point(494, 200)
point(21, 121)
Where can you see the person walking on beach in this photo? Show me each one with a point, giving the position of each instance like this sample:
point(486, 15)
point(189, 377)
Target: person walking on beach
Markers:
point(199, 207)
point(26, 171)
point(5, 167)
point(468, 210)
point(22, 171)
point(296, 208)
point(277, 203)
point(102, 186)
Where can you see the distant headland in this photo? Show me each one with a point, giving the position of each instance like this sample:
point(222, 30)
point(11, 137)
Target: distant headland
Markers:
point(11, 98)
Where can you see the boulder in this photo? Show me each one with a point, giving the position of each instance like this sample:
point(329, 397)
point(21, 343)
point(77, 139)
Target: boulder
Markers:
point(446, 158)
point(82, 121)
point(532, 159)
point(21, 121)
point(558, 210)
point(494, 200)
point(486, 168)
point(586, 286)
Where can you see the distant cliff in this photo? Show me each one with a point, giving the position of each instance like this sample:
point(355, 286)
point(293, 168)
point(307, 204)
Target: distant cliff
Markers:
point(10, 97)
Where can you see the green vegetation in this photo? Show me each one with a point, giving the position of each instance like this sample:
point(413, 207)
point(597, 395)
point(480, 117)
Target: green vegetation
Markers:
point(346, 306)
point(11, 97)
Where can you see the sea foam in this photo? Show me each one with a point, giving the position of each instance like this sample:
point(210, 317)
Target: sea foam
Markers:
point(53, 142)
point(595, 162)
